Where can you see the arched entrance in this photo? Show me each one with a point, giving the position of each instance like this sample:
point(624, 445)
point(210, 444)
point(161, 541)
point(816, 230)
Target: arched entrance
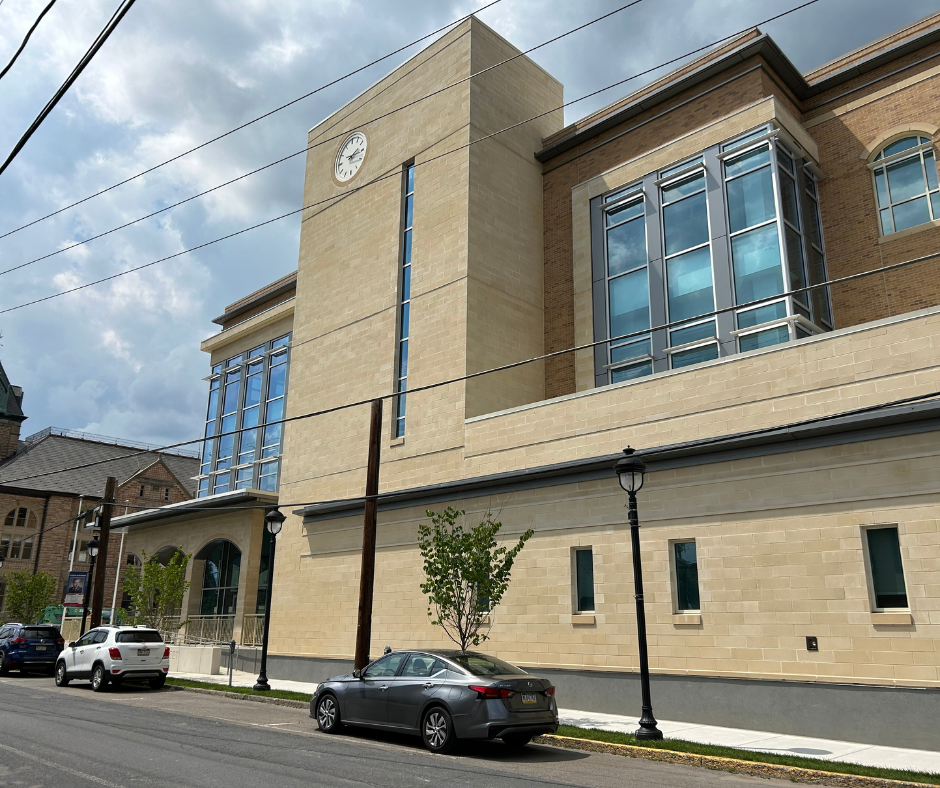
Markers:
point(166, 554)
point(220, 578)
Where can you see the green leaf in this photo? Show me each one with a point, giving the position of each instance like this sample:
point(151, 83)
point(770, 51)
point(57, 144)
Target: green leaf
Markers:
point(466, 573)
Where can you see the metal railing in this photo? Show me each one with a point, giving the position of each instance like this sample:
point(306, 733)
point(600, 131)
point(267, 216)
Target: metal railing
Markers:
point(252, 630)
point(90, 436)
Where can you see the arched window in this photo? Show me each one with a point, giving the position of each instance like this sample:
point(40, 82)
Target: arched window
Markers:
point(906, 184)
point(19, 529)
point(220, 578)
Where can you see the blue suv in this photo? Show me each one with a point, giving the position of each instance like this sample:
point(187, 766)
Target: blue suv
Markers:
point(29, 647)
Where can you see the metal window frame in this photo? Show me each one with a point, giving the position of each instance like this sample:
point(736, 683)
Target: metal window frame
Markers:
point(917, 152)
point(674, 576)
point(400, 384)
point(236, 463)
point(633, 193)
point(575, 601)
point(870, 576)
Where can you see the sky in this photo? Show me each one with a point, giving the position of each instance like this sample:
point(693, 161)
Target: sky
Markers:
point(122, 358)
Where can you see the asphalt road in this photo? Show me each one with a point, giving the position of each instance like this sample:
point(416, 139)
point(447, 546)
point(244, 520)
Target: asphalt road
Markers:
point(137, 737)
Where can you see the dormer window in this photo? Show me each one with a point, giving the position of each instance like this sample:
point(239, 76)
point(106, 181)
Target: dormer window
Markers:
point(906, 184)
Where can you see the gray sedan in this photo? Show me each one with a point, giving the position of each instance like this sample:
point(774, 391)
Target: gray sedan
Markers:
point(441, 696)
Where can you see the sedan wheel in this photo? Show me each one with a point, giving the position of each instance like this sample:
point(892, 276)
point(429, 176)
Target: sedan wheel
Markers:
point(99, 679)
point(437, 730)
point(61, 677)
point(328, 715)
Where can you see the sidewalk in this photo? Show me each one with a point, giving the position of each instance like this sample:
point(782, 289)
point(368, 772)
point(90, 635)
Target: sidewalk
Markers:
point(758, 741)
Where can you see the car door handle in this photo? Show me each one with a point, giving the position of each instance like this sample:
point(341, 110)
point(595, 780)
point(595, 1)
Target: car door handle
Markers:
point(383, 688)
point(429, 685)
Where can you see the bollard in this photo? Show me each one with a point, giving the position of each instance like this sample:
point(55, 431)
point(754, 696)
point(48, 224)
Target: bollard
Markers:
point(231, 661)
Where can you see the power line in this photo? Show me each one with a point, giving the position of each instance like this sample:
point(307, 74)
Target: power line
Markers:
point(26, 39)
point(396, 174)
point(76, 72)
point(473, 375)
point(393, 493)
point(331, 139)
point(250, 122)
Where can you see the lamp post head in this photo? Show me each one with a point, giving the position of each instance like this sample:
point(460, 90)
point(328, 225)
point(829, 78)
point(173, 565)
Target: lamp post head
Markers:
point(273, 521)
point(93, 547)
point(630, 470)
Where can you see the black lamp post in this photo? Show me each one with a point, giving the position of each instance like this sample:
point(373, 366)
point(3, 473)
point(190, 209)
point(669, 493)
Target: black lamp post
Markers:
point(273, 521)
point(630, 470)
point(92, 554)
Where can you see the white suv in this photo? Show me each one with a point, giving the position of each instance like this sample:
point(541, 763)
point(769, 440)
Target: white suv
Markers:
point(113, 655)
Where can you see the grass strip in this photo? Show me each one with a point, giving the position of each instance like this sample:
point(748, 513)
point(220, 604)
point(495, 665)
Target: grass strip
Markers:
point(205, 685)
point(717, 751)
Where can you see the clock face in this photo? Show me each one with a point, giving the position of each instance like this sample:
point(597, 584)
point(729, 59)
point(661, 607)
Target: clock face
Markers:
point(350, 157)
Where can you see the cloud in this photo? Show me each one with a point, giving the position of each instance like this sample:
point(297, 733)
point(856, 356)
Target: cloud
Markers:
point(123, 358)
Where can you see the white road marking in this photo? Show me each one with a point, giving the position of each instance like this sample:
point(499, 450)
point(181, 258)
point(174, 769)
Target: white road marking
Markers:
point(60, 767)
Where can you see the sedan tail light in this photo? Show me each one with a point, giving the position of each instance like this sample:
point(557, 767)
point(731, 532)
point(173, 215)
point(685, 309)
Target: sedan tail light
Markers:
point(115, 653)
point(550, 692)
point(492, 692)
point(166, 653)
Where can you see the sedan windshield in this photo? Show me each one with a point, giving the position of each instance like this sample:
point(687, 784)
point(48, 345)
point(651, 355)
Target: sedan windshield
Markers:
point(482, 665)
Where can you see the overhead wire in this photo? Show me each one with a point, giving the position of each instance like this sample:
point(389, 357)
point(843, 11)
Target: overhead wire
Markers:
point(173, 509)
point(29, 32)
point(480, 373)
point(396, 174)
point(327, 140)
point(250, 122)
point(99, 42)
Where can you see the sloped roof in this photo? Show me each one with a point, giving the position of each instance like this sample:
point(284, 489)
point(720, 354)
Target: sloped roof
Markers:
point(54, 452)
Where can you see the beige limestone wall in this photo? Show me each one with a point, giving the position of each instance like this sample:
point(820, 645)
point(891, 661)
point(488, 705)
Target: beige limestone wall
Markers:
point(250, 335)
point(780, 557)
point(505, 293)
point(243, 528)
point(476, 269)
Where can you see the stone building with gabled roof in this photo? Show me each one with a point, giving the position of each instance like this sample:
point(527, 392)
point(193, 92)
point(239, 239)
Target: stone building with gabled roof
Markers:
point(50, 479)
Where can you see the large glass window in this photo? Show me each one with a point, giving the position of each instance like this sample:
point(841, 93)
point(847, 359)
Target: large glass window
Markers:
point(19, 530)
point(688, 261)
point(906, 184)
point(628, 295)
point(220, 578)
point(887, 574)
point(247, 392)
point(738, 224)
point(404, 316)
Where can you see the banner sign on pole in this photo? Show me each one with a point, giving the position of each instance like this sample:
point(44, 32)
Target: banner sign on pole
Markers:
point(75, 589)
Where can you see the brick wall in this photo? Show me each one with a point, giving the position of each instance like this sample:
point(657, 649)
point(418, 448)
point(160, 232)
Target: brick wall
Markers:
point(844, 126)
point(588, 160)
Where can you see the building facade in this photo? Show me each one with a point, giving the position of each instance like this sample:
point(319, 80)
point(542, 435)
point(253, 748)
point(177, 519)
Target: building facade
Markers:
point(47, 504)
point(705, 243)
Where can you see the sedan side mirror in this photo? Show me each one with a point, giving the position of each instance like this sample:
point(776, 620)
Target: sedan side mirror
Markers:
point(357, 674)
point(72, 644)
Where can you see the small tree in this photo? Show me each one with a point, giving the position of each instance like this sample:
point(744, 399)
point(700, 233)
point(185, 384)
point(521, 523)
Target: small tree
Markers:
point(28, 595)
point(156, 591)
point(466, 573)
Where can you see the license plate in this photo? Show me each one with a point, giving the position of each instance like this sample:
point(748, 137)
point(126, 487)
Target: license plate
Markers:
point(143, 652)
point(42, 648)
point(529, 697)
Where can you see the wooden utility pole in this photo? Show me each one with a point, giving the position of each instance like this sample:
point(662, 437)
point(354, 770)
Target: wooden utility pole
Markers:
point(104, 522)
point(367, 575)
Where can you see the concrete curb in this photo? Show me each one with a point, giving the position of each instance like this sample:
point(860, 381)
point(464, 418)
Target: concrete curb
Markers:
point(293, 704)
point(792, 773)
